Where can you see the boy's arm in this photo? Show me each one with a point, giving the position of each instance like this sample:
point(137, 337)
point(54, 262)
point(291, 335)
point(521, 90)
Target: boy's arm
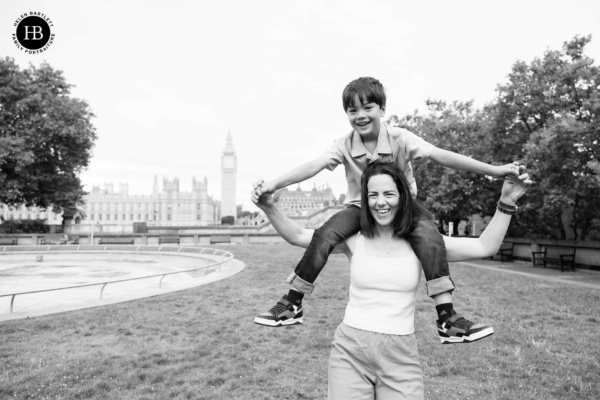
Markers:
point(298, 174)
point(463, 163)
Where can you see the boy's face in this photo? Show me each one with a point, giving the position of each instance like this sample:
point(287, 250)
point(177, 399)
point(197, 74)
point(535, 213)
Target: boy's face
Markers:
point(365, 117)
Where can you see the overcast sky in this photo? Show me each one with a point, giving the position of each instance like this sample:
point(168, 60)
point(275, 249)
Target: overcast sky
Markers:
point(168, 79)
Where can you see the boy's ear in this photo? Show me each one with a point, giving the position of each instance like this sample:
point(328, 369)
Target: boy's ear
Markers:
point(382, 112)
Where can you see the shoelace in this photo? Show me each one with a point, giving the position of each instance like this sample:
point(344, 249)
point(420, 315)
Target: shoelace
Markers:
point(463, 323)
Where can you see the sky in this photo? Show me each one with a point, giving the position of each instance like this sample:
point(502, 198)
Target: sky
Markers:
point(167, 80)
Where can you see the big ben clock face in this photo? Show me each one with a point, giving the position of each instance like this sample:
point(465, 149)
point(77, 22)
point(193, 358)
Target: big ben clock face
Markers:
point(228, 163)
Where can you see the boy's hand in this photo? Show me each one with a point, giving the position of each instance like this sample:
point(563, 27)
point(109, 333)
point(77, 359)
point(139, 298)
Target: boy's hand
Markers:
point(502, 171)
point(261, 187)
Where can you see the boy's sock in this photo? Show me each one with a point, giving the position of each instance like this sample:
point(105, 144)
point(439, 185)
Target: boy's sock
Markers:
point(445, 311)
point(295, 296)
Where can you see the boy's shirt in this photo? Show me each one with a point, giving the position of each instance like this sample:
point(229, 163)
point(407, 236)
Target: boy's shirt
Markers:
point(395, 145)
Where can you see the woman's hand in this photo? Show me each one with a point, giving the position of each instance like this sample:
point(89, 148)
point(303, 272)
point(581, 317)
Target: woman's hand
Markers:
point(515, 186)
point(263, 201)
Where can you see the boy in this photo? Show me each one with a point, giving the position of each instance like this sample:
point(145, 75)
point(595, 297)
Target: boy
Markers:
point(370, 140)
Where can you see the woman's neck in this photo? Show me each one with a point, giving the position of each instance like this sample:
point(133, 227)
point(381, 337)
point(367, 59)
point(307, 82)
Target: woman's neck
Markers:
point(385, 232)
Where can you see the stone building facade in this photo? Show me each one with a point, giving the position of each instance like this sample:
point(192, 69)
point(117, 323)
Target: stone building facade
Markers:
point(171, 207)
point(303, 202)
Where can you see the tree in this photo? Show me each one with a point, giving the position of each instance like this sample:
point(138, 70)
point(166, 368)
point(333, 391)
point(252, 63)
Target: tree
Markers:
point(549, 112)
point(546, 116)
point(453, 196)
point(228, 220)
point(46, 138)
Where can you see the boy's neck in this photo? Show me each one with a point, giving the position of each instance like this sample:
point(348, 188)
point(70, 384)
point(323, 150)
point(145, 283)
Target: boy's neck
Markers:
point(370, 141)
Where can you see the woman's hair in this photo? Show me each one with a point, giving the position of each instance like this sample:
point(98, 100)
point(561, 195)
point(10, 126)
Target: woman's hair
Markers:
point(409, 209)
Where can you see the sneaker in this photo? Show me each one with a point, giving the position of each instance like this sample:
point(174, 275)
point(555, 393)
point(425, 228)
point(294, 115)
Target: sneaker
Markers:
point(457, 329)
point(284, 313)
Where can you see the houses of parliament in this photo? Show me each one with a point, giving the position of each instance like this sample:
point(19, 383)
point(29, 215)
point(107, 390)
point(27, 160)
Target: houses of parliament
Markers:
point(169, 207)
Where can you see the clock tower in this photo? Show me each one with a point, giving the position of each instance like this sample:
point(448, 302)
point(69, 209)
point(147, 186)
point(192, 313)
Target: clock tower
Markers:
point(228, 181)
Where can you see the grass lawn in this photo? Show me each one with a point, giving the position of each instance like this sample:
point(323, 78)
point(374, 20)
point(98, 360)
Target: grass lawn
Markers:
point(202, 343)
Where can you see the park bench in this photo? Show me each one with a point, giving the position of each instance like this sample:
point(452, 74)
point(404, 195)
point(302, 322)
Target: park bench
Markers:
point(504, 252)
point(8, 241)
point(70, 239)
point(168, 240)
point(215, 239)
point(561, 255)
point(116, 240)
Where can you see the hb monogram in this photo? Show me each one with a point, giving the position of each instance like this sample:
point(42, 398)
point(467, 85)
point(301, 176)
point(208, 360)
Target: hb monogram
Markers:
point(35, 31)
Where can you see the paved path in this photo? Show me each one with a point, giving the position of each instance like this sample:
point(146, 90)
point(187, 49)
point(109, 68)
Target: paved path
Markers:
point(580, 277)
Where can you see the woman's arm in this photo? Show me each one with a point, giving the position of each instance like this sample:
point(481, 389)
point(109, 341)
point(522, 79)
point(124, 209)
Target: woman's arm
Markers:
point(461, 249)
point(289, 230)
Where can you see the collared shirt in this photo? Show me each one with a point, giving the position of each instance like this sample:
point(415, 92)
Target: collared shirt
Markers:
point(395, 145)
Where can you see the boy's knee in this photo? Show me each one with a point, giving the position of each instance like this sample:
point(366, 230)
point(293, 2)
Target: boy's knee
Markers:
point(428, 227)
point(327, 236)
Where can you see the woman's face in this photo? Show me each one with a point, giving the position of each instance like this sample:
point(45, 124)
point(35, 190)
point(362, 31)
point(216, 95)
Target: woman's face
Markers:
point(384, 198)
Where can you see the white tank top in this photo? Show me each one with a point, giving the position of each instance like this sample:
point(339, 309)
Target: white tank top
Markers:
point(383, 291)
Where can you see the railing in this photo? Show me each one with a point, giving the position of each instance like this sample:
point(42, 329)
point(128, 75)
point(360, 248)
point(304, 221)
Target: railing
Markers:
point(215, 252)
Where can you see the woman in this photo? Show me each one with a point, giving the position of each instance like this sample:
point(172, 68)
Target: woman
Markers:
point(374, 351)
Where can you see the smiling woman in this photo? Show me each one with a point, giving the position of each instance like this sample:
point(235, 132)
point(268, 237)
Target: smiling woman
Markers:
point(384, 193)
point(376, 341)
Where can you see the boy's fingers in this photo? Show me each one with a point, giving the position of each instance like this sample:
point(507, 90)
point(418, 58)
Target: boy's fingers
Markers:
point(257, 183)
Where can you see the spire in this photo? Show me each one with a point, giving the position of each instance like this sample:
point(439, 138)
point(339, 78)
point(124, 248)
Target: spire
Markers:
point(229, 144)
point(155, 186)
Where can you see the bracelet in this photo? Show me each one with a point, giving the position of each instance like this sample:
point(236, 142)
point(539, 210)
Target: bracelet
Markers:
point(507, 206)
point(507, 209)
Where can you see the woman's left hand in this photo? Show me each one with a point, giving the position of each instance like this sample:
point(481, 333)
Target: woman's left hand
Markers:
point(515, 186)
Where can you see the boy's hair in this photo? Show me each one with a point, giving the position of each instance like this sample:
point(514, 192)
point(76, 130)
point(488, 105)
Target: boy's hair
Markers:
point(368, 90)
point(409, 210)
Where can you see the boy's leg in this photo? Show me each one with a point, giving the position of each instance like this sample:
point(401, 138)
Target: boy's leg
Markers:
point(288, 310)
point(428, 245)
point(334, 231)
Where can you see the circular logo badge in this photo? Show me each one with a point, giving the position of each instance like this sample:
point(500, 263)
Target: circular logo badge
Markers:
point(33, 34)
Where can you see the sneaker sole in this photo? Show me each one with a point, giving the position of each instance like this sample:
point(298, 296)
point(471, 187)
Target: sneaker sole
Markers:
point(275, 324)
point(468, 339)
